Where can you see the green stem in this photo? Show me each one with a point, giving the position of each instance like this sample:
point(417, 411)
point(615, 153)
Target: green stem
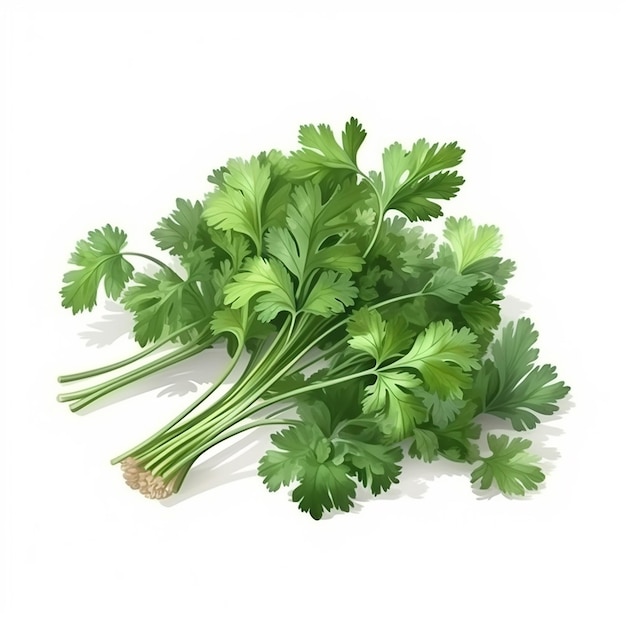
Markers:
point(117, 383)
point(187, 431)
point(180, 477)
point(154, 260)
point(205, 433)
point(223, 418)
point(202, 426)
point(163, 361)
point(192, 407)
point(215, 435)
point(193, 456)
point(407, 296)
point(250, 426)
point(254, 374)
point(348, 363)
point(307, 389)
point(242, 398)
point(381, 212)
point(194, 290)
point(214, 418)
point(317, 359)
point(68, 378)
point(190, 442)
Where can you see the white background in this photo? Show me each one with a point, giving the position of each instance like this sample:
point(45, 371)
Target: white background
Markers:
point(109, 116)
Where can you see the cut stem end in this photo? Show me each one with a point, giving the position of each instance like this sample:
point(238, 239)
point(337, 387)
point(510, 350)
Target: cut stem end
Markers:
point(151, 486)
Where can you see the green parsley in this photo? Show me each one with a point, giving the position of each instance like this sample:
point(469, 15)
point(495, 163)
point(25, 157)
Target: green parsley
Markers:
point(318, 277)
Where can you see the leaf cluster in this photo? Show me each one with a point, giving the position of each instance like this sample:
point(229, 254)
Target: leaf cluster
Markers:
point(289, 254)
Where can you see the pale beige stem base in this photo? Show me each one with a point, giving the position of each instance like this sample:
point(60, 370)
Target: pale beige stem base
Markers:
point(151, 486)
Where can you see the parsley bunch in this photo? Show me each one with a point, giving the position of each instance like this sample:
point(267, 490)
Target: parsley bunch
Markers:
point(384, 340)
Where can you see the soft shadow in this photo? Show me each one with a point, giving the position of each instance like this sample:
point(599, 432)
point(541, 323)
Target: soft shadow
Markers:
point(239, 460)
point(233, 462)
point(414, 483)
point(417, 476)
point(513, 308)
point(541, 437)
point(188, 376)
point(110, 328)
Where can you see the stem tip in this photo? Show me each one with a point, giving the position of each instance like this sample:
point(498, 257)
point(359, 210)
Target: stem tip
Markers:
point(151, 486)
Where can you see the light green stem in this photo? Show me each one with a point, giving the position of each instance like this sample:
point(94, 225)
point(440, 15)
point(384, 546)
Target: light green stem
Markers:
point(92, 394)
point(68, 378)
point(212, 389)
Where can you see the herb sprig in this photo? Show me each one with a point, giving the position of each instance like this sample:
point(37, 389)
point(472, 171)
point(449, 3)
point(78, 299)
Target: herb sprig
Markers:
point(303, 260)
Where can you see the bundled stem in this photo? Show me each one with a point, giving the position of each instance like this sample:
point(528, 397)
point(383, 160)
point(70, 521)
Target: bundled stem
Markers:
point(175, 448)
point(291, 255)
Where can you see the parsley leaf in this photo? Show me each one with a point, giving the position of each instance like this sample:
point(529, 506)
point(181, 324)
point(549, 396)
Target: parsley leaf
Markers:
point(306, 454)
point(408, 183)
point(400, 410)
point(323, 452)
point(449, 285)
point(328, 298)
point(323, 487)
point(182, 231)
point(511, 386)
point(457, 439)
point(376, 465)
point(470, 244)
point(238, 204)
point(101, 261)
point(321, 154)
point(262, 276)
point(301, 247)
point(331, 293)
point(161, 304)
point(443, 356)
point(424, 445)
point(510, 465)
point(381, 339)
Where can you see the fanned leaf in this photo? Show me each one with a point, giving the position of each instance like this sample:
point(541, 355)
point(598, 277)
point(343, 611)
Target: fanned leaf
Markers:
point(352, 137)
point(260, 276)
point(101, 261)
point(510, 465)
point(381, 339)
point(302, 246)
point(323, 487)
point(233, 321)
point(375, 465)
point(449, 285)
point(509, 384)
point(441, 411)
point(400, 410)
point(325, 450)
point(443, 356)
point(180, 232)
point(305, 454)
point(482, 317)
point(417, 201)
point(159, 305)
point(331, 293)
point(407, 184)
point(424, 445)
point(282, 466)
point(406, 248)
point(457, 440)
point(321, 154)
point(238, 203)
point(470, 244)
